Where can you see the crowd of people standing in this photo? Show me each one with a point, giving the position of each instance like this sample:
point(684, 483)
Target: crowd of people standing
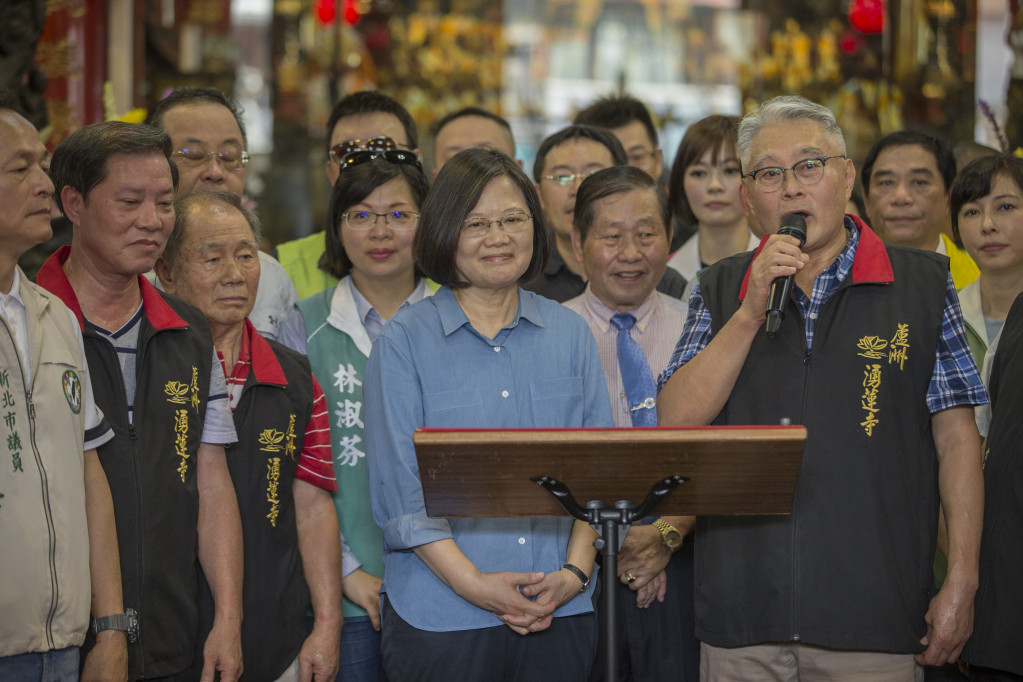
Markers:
point(211, 471)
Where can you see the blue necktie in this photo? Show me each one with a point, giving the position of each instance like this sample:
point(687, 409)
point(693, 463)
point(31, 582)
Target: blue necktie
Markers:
point(640, 389)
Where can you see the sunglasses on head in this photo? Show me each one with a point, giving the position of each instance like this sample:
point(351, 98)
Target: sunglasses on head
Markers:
point(373, 144)
point(401, 156)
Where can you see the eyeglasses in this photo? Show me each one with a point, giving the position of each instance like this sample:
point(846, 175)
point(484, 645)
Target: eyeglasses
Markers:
point(366, 220)
point(230, 159)
point(512, 223)
point(808, 171)
point(568, 179)
point(399, 156)
point(374, 144)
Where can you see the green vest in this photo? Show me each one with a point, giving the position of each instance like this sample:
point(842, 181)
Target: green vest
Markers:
point(339, 366)
point(300, 258)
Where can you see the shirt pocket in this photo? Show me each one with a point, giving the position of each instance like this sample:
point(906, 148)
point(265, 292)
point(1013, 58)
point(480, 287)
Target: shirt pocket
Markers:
point(557, 403)
point(458, 409)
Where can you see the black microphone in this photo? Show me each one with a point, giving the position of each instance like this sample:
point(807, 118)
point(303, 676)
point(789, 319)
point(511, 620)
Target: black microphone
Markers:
point(794, 225)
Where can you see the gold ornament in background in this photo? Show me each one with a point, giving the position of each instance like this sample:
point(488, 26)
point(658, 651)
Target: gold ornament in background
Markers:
point(76, 8)
point(205, 12)
point(55, 59)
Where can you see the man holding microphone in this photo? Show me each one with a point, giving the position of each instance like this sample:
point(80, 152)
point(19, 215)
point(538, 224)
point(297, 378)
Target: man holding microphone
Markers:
point(871, 357)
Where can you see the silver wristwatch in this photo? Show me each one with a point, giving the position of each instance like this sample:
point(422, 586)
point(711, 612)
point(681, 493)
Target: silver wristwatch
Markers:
point(127, 622)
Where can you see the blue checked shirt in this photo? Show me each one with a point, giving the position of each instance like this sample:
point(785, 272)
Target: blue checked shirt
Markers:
point(955, 380)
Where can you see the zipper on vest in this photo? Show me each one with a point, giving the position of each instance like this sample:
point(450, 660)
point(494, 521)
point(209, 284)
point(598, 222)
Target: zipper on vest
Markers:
point(807, 359)
point(141, 564)
point(55, 587)
point(45, 484)
point(140, 570)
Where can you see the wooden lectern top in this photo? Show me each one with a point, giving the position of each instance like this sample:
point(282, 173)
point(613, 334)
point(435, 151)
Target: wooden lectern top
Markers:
point(731, 470)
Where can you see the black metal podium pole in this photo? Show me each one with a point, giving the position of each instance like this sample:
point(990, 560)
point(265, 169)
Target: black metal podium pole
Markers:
point(609, 520)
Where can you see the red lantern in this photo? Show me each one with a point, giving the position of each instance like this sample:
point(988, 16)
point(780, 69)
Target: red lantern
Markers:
point(867, 16)
point(325, 11)
point(349, 12)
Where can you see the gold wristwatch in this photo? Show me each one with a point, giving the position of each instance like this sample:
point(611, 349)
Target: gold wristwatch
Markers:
point(672, 538)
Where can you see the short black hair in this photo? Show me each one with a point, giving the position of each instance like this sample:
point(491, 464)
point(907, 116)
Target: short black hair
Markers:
point(455, 193)
point(186, 208)
point(80, 161)
point(615, 111)
point(710, 133)
point(185, 96)
point(353, 185)
point(975, 181)
point(371, 102)
point(470, 111)
point(942, 152)
point(616, 180)
point(599, 135)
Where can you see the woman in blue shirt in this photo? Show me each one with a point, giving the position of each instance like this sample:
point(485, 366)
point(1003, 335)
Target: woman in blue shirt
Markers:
point(480, 599)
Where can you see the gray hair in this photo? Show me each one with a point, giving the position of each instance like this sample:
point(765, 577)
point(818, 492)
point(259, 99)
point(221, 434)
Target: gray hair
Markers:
point(187, 208)
point(784, 108)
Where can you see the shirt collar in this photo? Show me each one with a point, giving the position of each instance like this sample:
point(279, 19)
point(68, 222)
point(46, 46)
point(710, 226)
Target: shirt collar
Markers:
point(15, 292)
point(603, 313)
point(865, 250)
point(452, 317)
point(266, 368)
point(51, 276)
point(363, 307)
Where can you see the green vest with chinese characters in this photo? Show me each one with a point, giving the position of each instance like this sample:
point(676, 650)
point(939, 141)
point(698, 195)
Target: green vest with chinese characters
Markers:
point(339, 365)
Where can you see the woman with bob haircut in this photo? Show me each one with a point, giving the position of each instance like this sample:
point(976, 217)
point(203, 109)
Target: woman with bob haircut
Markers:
point(474, 599)
point(704, 191)
point(986, 204)
point(373, 215)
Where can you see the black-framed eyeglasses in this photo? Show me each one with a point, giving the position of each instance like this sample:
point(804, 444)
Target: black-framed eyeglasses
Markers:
point(366, 220)
point(512, 223)
point(381, 143)
point(231, 159)
point(567, 179)
point(399, 156)
point(808, 171)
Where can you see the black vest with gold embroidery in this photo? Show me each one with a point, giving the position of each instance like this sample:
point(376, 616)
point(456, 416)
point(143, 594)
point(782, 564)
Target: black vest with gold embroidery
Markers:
point(999, 603)
point(271, 420)
point(850, 568)
point(151, 467)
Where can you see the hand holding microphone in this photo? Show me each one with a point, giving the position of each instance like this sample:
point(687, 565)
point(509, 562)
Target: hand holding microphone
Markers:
point(792, 225)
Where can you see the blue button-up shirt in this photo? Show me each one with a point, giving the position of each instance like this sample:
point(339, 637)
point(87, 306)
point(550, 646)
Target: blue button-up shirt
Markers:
point(430, 367)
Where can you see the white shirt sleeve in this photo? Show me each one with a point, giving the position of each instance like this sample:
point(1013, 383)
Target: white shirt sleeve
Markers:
point(219, 426)
point(95, 433)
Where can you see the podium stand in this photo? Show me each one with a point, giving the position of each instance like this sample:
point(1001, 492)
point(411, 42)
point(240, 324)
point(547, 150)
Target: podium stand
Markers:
point(487, 473)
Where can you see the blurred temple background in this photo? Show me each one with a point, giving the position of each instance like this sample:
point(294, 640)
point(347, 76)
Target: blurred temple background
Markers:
point(881, 65)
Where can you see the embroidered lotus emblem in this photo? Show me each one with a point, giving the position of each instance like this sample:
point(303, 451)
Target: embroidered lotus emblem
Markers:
point(271, 440)
point(177, 391)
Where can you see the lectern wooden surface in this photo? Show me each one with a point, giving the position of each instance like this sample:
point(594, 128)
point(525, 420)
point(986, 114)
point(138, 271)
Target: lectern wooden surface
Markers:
point(486, 473)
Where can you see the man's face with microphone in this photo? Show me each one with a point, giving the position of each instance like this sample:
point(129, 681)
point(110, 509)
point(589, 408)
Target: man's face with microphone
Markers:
point(794, 166)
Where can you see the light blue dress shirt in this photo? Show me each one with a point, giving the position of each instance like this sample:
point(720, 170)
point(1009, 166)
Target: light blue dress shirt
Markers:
point(430, 367)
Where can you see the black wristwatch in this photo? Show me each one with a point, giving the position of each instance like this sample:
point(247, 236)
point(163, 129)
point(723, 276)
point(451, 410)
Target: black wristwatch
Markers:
point(127, 622)
point(578, 574)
